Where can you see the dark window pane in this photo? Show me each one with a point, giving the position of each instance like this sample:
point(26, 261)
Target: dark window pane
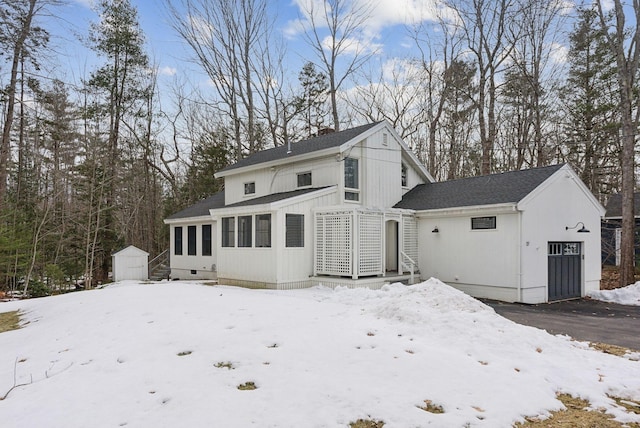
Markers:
point(351, 196)
point(294, 230)
point(304, 179)
point(249, 188)
point(177, 241)
point(206, 239)
point(244, 231)
point(228, 231)
point(263, 230)
point(351, 173)
point(483, 223)
point(191, 240)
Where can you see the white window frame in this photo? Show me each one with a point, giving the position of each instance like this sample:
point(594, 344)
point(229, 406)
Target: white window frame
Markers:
point(351, 190)
point(301, 174)
point(484, 229)
point(250, 188)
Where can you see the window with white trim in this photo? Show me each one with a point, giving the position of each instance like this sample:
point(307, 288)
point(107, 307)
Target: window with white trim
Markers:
point(191, 240)
point(351, 180)
point(244, 231)
point(403, 174)
point(177, 240)
point(483, 223)
point(304, 179)
point(206, 240)
point(228, 231)
point(250, 188)
point(263, 230)
point(294, 235)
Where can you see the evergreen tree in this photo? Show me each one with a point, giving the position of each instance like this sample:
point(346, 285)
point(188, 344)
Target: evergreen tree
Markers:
point(120, 83)
point(592, 120)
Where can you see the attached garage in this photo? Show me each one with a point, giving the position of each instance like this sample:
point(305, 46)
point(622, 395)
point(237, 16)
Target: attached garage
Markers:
point(510, 236)
point(565, 270)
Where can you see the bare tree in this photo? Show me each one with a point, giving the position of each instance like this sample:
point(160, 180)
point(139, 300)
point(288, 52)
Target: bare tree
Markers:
point(20, 37)
point(344, 48)
point(227, 38)
point(490, 29)
point(625, 42)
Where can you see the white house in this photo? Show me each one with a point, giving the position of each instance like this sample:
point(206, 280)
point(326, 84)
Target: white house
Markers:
point(357, 208)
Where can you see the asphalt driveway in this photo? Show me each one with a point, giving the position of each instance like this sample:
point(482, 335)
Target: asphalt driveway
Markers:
point(583, 319)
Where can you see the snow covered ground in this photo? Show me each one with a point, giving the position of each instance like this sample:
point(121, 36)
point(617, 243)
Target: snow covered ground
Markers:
point(173, 355)
point(629, 295)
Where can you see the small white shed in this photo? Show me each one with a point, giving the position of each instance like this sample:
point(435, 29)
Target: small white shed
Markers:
point(130, 263)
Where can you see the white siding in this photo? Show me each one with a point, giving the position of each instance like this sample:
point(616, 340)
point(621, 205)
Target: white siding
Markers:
point(545, 218)
point(324, 172)
point(182, 265)
point(483, 263)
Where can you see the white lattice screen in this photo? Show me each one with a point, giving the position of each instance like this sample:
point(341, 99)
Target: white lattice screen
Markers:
point(334, 243)
point(370, 240)
point(410, 237)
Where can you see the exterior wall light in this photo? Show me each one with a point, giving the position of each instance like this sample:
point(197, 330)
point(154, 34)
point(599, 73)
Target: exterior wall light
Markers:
point(583, 229)
point(435, 230)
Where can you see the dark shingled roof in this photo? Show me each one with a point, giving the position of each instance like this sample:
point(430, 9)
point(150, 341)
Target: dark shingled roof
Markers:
point(484, 190)
point(201, 208)
point(274, 197)
point(217, 201)
point(310, 145)
point(614, 206)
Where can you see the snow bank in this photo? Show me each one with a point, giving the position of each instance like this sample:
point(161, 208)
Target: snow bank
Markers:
point(629, 295)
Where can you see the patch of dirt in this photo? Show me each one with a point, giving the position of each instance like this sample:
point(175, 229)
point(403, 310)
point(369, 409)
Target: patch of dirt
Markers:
point(576, 415)
point(431, 407)
point(366, 423)
point(9, 321)
point(247, 386)
point(619, 351)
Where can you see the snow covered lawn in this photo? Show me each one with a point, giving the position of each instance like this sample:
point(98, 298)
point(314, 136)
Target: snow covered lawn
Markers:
point(184, 354)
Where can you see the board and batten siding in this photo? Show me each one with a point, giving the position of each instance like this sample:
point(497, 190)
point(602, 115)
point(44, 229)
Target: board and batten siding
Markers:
point(324, 172)
point(183, 265)
point(482, 263)
point(563, 202)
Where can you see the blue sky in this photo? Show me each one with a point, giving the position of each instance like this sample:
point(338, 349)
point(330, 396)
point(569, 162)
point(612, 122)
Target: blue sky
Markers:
point(385, 29)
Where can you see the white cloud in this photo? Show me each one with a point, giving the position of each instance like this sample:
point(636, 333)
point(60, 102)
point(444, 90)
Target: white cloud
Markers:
point(167, 71)
point(86, 3)
point(383, 15)
point(559, 53)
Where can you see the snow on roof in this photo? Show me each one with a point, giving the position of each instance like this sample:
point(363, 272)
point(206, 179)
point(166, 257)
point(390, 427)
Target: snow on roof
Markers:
point(175, 354)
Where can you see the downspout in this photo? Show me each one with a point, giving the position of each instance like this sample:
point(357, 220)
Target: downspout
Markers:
point(520, 250)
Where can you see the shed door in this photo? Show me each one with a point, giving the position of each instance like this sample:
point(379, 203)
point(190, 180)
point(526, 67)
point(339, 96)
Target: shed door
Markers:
point(565, 270)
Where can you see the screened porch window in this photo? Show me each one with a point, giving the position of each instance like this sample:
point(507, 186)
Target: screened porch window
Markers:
point(245, 238)
point(206, 239)
point(351, 180)
point(191, 240)
point(228, 231)
point(263, 230)
point(294, 230)
point(177, 240)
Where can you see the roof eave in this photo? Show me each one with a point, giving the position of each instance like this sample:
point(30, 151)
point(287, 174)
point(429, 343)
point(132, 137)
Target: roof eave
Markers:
point(502, 208)
point(279, 162)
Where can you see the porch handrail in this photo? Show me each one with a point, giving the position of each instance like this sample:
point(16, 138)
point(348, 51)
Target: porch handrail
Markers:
point(158, 260)
point(410, 266)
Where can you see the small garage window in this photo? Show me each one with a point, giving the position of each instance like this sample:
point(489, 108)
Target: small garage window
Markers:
point(483, 223)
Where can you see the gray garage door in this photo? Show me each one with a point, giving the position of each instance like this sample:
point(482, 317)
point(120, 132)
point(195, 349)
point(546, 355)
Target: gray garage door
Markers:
point(565, 270)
